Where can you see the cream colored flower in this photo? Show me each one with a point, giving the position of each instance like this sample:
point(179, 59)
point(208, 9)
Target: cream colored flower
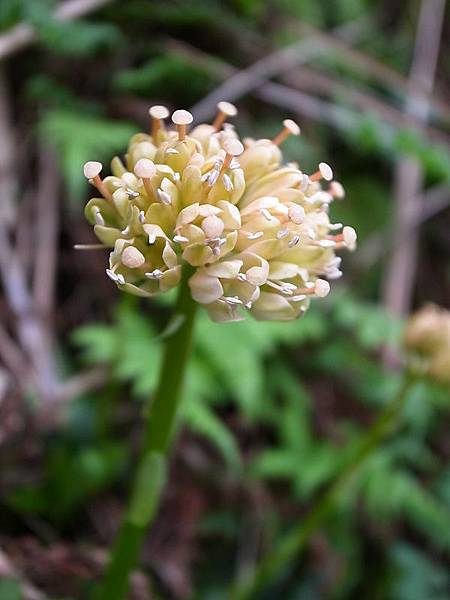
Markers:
point(427, 338)
point(257, 231)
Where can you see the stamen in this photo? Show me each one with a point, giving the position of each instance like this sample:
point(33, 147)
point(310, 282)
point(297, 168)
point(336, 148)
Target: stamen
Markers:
point(322, 288)
point(232, 148)
point(336, 190)
point(164, 197)
point(225, 109)
point(99, 220)
point(141, 217)
point(145, 169)
point(295, 240)
point(328, 243)
point(297, 298)
point(305, 183)
point(156, 274)
point(296, 214)
point(119, 278)
point(335, 226)
point(290, 128)
point(324, 172)
point(181, 119)
point(282, 234)
point(266, 214)
point(89, 246)
point(180, 239)
point(255, 236)
point(132, 257)
point(131, 194)
point(349, 236)
point(234, 300)
point(227, 183)
point(92, 170)
point(157, 113)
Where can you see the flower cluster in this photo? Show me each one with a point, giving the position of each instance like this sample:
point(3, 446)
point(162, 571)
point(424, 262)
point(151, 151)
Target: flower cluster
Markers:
point(256, 232)
point(427, 337)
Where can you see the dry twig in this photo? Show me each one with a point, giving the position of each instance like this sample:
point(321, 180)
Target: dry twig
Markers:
point(400, 272)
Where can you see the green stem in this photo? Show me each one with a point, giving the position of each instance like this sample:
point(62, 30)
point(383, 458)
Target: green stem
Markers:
point(290, 547)
point(151, 471)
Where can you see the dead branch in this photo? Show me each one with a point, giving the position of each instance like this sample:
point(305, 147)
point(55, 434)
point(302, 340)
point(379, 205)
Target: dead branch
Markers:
point(281, 61)
point(400, 273)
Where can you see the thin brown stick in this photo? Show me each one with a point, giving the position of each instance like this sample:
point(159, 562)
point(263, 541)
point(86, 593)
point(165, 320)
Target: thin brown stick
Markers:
point(400, 273)
point(246, 80)
point(23, 34)
point(46, 233)
point(301, 103)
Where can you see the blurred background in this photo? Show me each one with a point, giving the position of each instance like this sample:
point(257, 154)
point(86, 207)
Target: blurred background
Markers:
point(270, 409)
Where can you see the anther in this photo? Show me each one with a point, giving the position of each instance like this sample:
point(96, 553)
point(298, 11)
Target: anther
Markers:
point(145, 169)
point(180, 239)
point(227, 183)
point(349, 236)
point(157, 113)
point(132, 257)
point(296, 214)
point(163, 197)
point(232, 148)
point(290, 128)
point(294, 241)
point(225, 109)
point(92, 170)
point(324, 172)
point(255, 236)
point(282, 234)
point(322, 288)
point(181, 119)
point(336, 190)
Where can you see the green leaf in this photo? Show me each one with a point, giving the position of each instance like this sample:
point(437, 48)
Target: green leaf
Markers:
point(10, 589)
point(68, 37)
point(201, 420)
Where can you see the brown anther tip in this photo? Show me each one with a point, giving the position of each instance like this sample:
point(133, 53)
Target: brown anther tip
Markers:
point(158, 112)
point(92, 169)
point(182, 117)
point(233, 147)
point(227, 108)
point(291, 127)
point(326, 171)
point(144, 168)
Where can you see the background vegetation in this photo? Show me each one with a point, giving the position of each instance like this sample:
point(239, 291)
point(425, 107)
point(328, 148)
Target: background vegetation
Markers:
point(271, 410)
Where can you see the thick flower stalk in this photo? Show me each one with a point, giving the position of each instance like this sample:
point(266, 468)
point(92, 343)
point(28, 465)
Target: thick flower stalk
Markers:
point(256, 232)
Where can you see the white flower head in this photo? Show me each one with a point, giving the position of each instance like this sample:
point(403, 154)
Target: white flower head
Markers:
point(256, 232)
